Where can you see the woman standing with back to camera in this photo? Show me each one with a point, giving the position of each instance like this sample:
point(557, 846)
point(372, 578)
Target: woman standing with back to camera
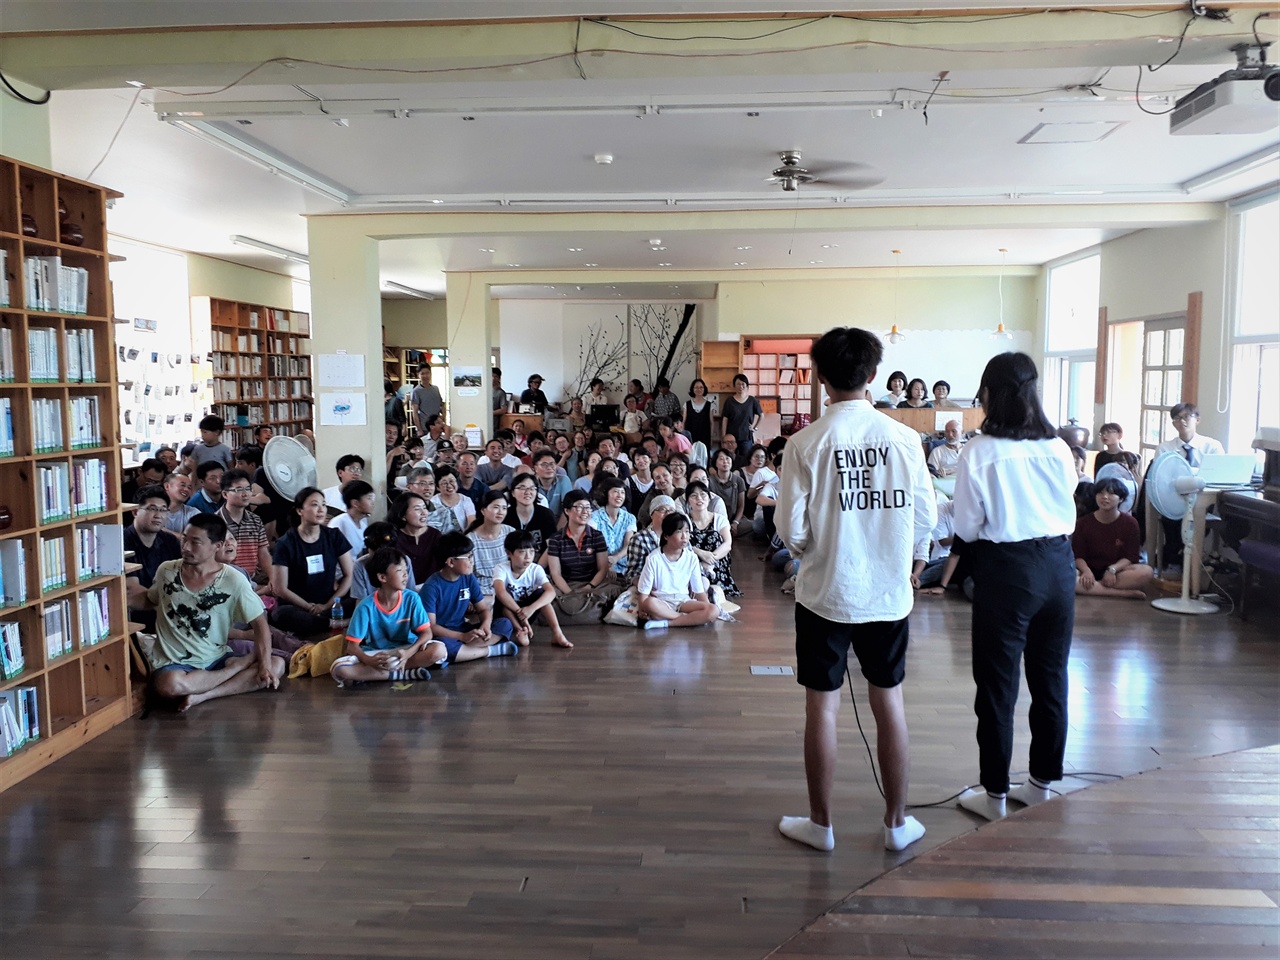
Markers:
point(1015, 512)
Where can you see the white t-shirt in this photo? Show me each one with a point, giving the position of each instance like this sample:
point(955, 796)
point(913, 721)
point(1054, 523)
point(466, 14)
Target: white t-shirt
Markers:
point(524, 587)
point(768, 478)
point(351, 530)
point(464, 509)
point(672, 581)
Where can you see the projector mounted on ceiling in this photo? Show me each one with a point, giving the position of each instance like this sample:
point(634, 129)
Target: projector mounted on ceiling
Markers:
point(1242, 100)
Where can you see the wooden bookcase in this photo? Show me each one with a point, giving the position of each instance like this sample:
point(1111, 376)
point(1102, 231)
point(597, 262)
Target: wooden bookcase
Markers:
point(400, 366)
point(781, 376)
point(82, 689)
point(261, 367)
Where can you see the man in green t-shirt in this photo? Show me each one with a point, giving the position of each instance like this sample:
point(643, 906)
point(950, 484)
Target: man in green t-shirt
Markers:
point(197, 599)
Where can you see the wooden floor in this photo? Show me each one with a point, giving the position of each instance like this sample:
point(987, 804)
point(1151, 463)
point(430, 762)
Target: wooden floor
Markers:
point(1178, 862)
point(618, 800)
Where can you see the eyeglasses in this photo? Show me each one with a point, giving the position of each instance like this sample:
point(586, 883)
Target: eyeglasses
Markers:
point(240, 490)
point(153, 508)
point(581, 506)
point(1189, 418)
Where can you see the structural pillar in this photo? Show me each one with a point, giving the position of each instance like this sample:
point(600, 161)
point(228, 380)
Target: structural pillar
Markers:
point(470, 345)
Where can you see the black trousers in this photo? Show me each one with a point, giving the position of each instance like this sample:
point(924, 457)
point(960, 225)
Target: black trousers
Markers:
point(1023, 610)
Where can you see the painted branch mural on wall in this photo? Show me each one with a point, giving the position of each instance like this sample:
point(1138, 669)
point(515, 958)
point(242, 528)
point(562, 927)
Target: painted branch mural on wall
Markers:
point(661, 335)
point(603, 353)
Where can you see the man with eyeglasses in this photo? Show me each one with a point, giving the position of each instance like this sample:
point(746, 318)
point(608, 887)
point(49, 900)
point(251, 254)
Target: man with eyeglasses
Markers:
point(350, 467)
point(150, 543)
point(253, 549)
point(1194, 448)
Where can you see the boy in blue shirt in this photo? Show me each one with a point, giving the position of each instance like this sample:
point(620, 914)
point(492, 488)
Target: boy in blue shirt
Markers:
point(389, 637)
point(453, 593)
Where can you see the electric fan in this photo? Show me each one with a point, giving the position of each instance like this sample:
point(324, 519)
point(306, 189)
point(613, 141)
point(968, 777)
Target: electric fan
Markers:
point(1173, 489)
point(289, 466)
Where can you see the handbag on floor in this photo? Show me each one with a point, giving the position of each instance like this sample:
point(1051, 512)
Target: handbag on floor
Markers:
point(587, 606)
point(625, 611)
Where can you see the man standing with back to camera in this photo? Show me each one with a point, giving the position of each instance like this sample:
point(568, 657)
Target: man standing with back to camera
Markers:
point(854, 498)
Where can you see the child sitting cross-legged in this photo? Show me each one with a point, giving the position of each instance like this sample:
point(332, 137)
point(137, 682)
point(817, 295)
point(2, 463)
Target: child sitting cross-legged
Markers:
point(522, 588)
point(389, 637)
point(461, 615)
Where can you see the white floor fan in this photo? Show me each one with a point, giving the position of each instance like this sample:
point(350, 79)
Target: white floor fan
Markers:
point(1173, 489)
point(289, 466)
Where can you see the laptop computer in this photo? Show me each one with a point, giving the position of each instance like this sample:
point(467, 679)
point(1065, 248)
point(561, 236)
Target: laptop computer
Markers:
point(1227, 470)
point(603, 416)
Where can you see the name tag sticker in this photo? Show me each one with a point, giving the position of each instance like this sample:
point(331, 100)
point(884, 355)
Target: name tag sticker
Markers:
point(315, 564)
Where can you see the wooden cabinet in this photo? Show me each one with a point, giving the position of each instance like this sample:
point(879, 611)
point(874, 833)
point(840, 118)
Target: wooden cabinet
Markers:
point(61, 563)
point(261, 366)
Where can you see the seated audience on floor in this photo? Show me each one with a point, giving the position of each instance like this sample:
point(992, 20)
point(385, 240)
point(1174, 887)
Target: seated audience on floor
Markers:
point(931, 555)
point(413, 458)
point(634, 420)
point(311, 566)
point(941, 395)
point(551, 484)
point(488, 533)
point(446, 454)
point(897, 387)
point(494, 472)
point(608, 445)
point(253, 549)
point(377, 535)
point(197, 599)
point(262, 433)
point(349, 467)
point(151, 471)
point(1084, 483)
point(587, 473)
point(437, 430)
point(461, 615)
point(647, 537)
point(360, 500)
point(509, 455)
point(448, 495)
point(415, 538)
point(944, 459)
point(710, 538)
point(249, 459)
point(728, 484)
point(729, 444)
point(396, 454)
point(468, 485)
point(526, 514)
point(1107, 547)
point(612, 518)
point(150, 543)
point(672, 442)
point(716, 504)
point(169, 457)
point(663, 486)
point(917, 396)
point(678, 464)
point(208, 495)
point(671, 590)
point(524, 592)
point(177, 487)
point(393, 406)
point(577, 556)
point(1113, 451)
point(389, 637)
point(641, 480)
point(762, 491)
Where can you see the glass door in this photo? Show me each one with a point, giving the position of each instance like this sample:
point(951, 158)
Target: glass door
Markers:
point(1162, 362)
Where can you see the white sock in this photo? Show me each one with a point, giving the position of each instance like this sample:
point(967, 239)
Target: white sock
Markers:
point(1031, 792)
point(899, 838)
point(983, 804)
point(507, 648)
point(804, 830)
point(656, 624)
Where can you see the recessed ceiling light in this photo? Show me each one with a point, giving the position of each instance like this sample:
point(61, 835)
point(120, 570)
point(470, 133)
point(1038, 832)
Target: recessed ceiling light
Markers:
point(513, 264)
point(574, 249)
point(744, 248)
point(613, 286)
point(830, 246)
point(656, 249)
point(739, 263)
point(664, 264)
point(815, 261)
point(437, 201)
point(655, 241)
point(488, 250)
point(591, 264)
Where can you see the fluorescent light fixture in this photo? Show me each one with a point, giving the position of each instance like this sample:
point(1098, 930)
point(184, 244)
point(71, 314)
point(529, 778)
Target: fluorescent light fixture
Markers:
point(272, 163)
point(411, 291)
point(271, 248)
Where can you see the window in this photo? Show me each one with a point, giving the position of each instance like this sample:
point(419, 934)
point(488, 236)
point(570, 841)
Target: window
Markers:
point(1071, 340)
point(1254, 391)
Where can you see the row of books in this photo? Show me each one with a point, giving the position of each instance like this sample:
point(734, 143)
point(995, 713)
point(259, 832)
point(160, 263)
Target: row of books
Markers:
point(57, 628)
point(95, 616)
point(286, 345)
point(7, 445)
point(12, 660)
point(53, 488)
point(53, 563)
point(42, 355)
point(55, 288)
point(99, 550)
point(8, 364)
point(286, 321)
point(4, 278)
point(86, 427)
point(46, 425)
point(89, 493)
point(13, 573)
point(282, 389)
point(300, 410)
point(288, 366)
point(19, 719)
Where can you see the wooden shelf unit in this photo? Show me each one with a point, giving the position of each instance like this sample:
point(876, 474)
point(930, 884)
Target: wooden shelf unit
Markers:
point(400, 366)
point(82, 690)
point(261, 367)
point(767, 361)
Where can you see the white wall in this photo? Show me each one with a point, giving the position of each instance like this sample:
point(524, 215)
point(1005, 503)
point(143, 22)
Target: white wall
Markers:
point(531, 337)
point(1151, 272)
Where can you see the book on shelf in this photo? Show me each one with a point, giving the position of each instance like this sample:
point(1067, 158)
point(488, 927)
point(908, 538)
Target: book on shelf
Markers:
point(53, 486)
point(53, 287)
point(88, 486)
point(82, 359)
point(19, 719)
point(4, 277)
point(95, 616)
point(57, 628)
point(7, 448)
point(86, 428)
point(46, 425)
point(13, 573)
point(42, 354)
point(12, 660)
point(8, 368)
point(99, 550)
point(786, 376)
point(53, 563)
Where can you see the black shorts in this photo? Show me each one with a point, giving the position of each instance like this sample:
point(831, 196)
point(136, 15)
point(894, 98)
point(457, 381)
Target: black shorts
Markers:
point(822, 650)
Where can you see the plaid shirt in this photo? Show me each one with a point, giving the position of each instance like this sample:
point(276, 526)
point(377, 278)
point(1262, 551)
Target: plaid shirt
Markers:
point(642, 544)
point(665, 405)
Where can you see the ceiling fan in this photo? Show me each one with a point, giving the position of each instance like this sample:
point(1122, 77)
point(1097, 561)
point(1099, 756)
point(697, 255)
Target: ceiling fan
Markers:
point(853, 176)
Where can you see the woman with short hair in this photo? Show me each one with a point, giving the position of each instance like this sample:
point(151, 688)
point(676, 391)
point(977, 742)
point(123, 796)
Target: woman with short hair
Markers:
point(1107, 547)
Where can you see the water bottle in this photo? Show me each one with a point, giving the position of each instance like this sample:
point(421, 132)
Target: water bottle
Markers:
point(335, 615)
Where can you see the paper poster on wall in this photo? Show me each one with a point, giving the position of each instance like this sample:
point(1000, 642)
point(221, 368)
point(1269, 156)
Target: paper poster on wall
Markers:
point(341, 370)
point(468, 377)
point(342, 410)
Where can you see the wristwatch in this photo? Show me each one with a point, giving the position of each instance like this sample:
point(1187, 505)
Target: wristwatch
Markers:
point(1112, 570)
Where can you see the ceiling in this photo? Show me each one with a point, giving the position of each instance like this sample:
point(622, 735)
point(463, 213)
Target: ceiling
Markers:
point(682, 135)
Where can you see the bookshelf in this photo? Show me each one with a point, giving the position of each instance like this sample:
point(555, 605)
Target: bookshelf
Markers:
point(261, 366)
point(400, 366)
point(64, 654)
point(781, 375)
